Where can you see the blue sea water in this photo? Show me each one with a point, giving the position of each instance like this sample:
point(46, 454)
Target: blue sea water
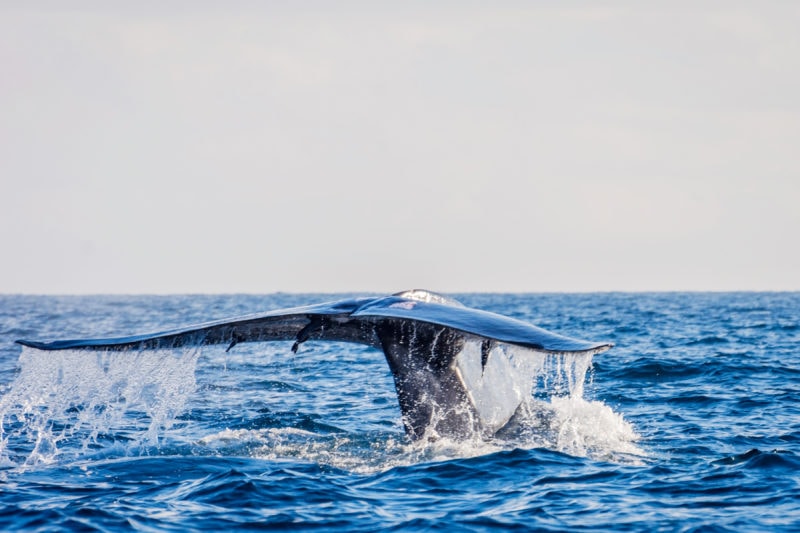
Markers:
point(690, 423)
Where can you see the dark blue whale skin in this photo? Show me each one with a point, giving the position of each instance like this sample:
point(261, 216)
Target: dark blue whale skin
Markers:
point(285, 324)
point(421, 333)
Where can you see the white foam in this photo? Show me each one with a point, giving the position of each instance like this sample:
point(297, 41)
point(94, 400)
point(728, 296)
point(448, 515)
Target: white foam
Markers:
point(575, 426)
point(591, 429)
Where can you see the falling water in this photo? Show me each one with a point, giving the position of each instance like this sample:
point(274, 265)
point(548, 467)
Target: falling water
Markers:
point(64, 404)
point(73, 400)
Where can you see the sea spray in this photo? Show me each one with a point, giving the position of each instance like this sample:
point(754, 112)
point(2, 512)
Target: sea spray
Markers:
point(75, 400)
point(554, 415)
point(64, 404)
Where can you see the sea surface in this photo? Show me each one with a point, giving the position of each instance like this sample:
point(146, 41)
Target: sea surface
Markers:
point(690, 423)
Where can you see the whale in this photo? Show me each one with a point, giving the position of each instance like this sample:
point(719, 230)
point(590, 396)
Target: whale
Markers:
point(459, 371)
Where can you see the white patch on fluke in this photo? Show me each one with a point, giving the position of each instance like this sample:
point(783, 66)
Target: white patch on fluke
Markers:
point(408, 306)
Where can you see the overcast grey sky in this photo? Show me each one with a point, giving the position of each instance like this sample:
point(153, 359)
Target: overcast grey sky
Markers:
point(322, 146)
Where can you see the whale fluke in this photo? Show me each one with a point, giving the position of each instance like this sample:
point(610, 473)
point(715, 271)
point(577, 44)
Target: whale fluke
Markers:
point(432, 344)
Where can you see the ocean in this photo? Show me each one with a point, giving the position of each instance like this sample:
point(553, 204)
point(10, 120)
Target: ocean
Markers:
point(690, 423)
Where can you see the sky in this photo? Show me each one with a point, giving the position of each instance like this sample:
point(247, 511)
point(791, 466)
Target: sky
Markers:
point(257, 147)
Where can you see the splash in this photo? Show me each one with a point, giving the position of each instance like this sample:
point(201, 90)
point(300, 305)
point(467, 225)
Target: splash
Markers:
point(550, 411)
point(65, 405)
point(68, 402)
point(536, 399)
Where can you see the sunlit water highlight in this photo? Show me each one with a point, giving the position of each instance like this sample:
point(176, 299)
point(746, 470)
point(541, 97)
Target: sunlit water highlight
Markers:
point(692, 422)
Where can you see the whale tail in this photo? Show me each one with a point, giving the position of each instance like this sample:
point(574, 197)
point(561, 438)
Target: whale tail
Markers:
point(458, 371)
